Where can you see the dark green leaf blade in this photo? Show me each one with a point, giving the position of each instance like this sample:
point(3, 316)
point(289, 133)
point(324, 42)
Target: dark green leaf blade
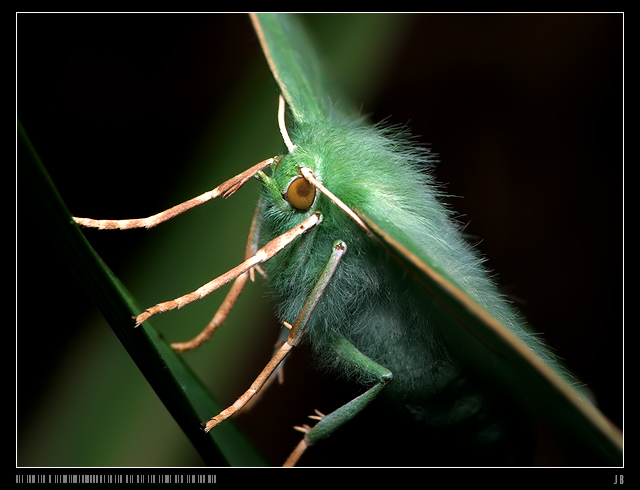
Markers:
point(174, 382)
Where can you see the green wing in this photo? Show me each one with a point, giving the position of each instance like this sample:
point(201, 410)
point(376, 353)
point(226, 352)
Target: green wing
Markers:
point(301, 85)
point(486, 343)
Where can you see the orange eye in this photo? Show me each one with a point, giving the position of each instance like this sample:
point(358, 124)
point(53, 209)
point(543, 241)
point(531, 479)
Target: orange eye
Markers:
point(300, 193)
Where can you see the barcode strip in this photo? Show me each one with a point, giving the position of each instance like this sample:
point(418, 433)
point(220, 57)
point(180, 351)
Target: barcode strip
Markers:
point(117, 478)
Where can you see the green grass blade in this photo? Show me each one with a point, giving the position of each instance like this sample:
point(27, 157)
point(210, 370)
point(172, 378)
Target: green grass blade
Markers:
point(180, 390)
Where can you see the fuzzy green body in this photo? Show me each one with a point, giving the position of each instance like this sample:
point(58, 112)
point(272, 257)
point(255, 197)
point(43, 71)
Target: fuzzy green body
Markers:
point(371, 300)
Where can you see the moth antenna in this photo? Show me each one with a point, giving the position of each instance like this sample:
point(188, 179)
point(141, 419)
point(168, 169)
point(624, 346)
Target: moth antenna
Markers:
point(283, 127)
point(307, 173)
point(225, 190)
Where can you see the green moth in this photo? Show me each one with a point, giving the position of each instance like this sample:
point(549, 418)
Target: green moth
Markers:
point(391, 294)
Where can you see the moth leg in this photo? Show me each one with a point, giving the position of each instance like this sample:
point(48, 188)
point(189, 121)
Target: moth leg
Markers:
point(252, 246)
point(233, 294)
point(262, 255)
point(327, 424)
point(217, 320)
point(276, 375)
point(296, 332)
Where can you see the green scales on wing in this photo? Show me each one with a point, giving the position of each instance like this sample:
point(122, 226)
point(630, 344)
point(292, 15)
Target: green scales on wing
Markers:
point(410, 308)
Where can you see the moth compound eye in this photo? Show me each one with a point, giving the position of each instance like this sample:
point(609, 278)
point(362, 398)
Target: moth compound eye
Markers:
point(300, 193)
